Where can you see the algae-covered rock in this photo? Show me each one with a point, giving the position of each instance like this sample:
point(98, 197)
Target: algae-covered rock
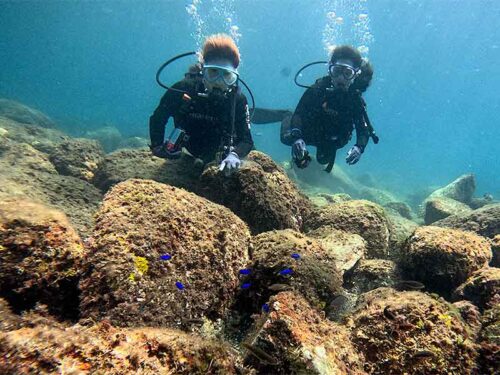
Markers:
point(359, 217)
point(378, 196)
point(161, 256)
point(260, 193)
point(39, 257)
point(400, 229)
point(482, 288)
point(411, 333)
point(441, 207)
point(462, 189)
point(140, 163)
point(369, 274)
point(400, 208)
point(293, 338)
point(287, 258)
point(444, 258)
point(47, 347)
point(470, 314)
point(43, 139)
point(336, 198)
point(495, 249)
point(77, 157)
point(28, 173)
point(478, 202)
point(346, 248)
point(489, 341)
point(484, 221)
point(24, 114)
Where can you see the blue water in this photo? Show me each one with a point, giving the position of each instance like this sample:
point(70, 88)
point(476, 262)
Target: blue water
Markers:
point(434, 100)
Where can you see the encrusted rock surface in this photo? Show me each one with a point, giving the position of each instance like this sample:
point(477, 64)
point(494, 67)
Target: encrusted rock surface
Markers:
point(162, 256)
point(260, 193)
point(122, 165)
point(482, 288)
point(484, 221)
point(444, 258)
point(359, 217)
point(36, 345)
point(411, 333)
point(293, 338)
point(40, 254)
point(77, 157)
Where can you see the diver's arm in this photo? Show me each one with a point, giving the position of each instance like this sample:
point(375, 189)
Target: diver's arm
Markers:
point(361, 126)
point(243, 141)
point(303, 112)
point(169, 103)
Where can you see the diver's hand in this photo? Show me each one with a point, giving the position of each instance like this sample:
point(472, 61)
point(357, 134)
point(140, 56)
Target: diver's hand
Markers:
point(300, 155)
point(162, 152)
point(354, 155)
point(299, 149)
point(230, 163)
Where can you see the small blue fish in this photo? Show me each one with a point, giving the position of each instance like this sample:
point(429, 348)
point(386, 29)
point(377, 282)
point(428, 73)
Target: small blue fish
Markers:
point(179, 285)
point(166, 257)
point(286, 271)
point(246, 286)
point(265, 307)
point(245, 271)
point(296, 256)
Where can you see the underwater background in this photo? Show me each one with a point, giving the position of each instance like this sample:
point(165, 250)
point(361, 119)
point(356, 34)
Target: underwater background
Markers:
point(433, 101)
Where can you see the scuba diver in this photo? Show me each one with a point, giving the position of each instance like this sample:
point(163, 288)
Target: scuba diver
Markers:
point(211, 115)
point(328, 112)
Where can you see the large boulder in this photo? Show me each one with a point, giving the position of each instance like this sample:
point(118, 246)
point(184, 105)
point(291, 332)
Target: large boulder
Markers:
point(489, 341)
point(288, 258)
point(33, 345)
point(359, 217)
point(399, 208)
point(444, 258)
point(162, 256)
point(293, 338)
point(495, 248)
point(411, 333)
point(24, 114)
point(400, 229)
point(28, 173)
point(140, 163)
point(346, 248)
point(369, 274)
point(260, 193)
point(378, 196)
point(462, 189)
point(43, 139)
point(77, 157)
point(39, 257)
point(482, 288)
point(485, 221)
point(438, 208)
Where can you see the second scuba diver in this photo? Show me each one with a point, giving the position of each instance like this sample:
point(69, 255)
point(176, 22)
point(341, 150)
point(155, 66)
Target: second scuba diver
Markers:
point(211, 115)
point(328, 112)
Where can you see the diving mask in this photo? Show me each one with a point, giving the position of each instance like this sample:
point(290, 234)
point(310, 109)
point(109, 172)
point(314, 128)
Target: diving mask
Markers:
point(342, 69)
point(224, 72)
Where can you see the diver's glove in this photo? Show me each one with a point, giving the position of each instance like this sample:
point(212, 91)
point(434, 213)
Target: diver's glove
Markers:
point(300, 155)
point(161, 151)
point(230, 163)
point(354, 154)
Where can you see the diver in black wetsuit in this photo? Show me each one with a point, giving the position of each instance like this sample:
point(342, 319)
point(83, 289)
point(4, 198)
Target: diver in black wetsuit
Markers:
point(211, 115)
point(330, 110)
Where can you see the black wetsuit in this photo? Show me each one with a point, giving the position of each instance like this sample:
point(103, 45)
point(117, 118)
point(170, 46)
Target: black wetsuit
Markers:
point(206, 120)
point(326, 119)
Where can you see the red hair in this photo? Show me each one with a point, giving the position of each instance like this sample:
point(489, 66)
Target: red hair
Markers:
point(220, 46)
